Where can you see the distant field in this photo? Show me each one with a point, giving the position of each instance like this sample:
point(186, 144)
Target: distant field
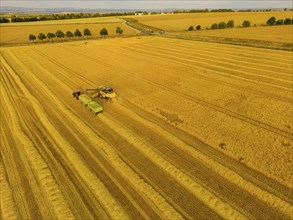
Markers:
point(11, 34)
point(281, 33)
point(180, 22)
point(68, 21)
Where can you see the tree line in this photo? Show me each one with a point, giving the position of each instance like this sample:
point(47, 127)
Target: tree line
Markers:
point(221, 25)
point(202, 10)
point(274, 21)
point(4, 20)
point(93, 15)
point(224, 10)
point(230, 24)
point(62, 16)
point(77, 33)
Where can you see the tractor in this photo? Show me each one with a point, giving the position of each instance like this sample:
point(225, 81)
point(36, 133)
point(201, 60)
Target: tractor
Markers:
point(87, 97)
point(87, 101)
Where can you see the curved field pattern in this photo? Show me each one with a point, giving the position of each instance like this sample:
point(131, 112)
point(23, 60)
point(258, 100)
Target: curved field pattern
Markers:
point(199, 131)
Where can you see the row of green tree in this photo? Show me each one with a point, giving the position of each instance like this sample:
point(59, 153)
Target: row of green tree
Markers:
point(246, 23)
point(202, 10)
point(69, 34)
point(221, 25)
point(224, 10)
point(262, 10)
point(4, 20)
point(62, 16)
point(274, 21)
point(229, 24)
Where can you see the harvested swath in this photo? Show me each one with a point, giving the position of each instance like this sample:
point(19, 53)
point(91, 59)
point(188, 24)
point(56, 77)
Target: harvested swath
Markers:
point(211, 200)
point(113, 209)
point(232, 176)
point(165, 210)
point(8, 209)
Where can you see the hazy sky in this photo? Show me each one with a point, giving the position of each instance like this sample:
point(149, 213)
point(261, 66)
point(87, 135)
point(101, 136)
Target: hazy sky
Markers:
point(150, 4)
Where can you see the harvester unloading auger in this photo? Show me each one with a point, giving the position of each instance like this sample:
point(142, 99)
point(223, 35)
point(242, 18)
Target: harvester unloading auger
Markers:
point(87, 97)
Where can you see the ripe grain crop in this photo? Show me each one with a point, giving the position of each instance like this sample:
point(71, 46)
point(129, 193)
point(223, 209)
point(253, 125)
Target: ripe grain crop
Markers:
point(19, 32)
point(193, 128)
point(181, 22)
point(281, 33)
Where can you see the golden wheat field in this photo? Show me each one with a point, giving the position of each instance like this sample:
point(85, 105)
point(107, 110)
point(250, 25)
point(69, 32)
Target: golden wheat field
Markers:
point(282, 33)
point(181, 22)
point(194, 134)
point(13, 33)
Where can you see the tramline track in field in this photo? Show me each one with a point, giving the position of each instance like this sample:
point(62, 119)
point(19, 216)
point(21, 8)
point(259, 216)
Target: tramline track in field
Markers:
point(267, 63)
point(246, 76)
point(75, 73)
point(248, 53)
point(217, 61)
point(205, 103)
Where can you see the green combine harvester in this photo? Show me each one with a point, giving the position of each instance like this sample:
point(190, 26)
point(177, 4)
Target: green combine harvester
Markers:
point(104, 92)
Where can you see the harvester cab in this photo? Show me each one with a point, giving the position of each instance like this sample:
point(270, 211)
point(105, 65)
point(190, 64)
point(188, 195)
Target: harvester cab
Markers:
point(76, 93)
point(106, 92)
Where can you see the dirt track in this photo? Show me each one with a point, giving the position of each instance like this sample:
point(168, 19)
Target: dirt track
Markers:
point(148, 155)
